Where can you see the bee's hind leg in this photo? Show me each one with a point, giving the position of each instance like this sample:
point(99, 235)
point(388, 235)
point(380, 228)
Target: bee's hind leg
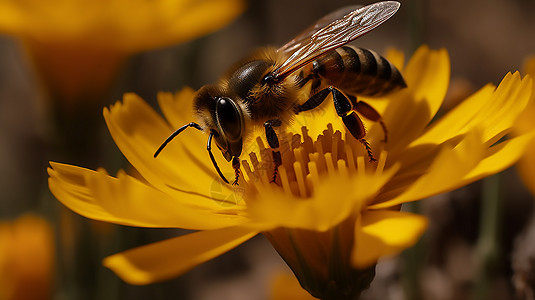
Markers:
point(351, 120)
point(371, 114)
point(343, 108)
point(273, 142)
point(354, 124)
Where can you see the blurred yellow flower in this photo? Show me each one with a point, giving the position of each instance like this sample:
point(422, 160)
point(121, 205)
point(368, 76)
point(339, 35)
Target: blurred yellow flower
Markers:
point(333, 215)
point(77, 45)
point(26, 259)
point(526, 165)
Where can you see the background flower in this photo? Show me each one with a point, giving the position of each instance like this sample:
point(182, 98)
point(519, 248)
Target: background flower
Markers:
point(26, 259)
point(78, 46)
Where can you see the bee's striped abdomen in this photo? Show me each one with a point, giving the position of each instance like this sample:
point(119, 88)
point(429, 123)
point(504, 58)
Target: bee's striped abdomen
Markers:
point(358, 71)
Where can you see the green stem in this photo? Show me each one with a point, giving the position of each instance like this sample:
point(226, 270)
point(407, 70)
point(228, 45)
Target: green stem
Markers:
point(412, 262)
point(488, 249)
point(416, 23)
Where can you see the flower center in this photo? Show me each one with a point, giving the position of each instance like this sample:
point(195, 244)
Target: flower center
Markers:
point(305, 161)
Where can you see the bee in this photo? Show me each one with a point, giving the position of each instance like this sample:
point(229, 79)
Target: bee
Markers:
point(263, 89)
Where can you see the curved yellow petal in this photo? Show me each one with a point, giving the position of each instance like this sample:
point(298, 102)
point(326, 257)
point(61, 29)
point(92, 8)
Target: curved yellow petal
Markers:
point(396, 57)
point(170, 258)
point(178, 108)
point(428, 74)
point(127, 201)
point(69, 187)
point(492, 109)
point(184, 164)
point(468, 162)
point(451, 164)
point(319, 212)
point(410, 110)
point(489, 114)
point(383, 233)
point(500, 157)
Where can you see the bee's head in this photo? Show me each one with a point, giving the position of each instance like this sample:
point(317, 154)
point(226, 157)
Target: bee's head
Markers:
point(222, 116)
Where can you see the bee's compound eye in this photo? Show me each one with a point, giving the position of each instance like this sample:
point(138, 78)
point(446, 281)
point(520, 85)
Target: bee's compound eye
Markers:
point(229, 118)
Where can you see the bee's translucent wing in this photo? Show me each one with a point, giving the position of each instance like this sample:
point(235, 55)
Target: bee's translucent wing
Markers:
point(305, 35)
point(328, 34)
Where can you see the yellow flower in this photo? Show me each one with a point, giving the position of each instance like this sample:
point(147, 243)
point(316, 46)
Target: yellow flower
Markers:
point(333, 214)
point(26, 259)
point(78, 45)
point(526, 165)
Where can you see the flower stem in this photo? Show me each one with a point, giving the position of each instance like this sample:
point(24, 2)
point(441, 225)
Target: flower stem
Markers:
point(416, 23)
point(488, 250)
point(412, 259)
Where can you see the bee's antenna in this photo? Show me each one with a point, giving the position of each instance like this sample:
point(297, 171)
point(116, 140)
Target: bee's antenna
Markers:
point(208, 145)
point(174, 134)
point(209, 148)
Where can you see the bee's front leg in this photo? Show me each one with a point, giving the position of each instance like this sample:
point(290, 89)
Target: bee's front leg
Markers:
point(236, 167)
point(273, 142)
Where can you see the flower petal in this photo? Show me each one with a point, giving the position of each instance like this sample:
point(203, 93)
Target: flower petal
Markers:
point(127, 201)
point(169, 258)
point(471, 160)
point(427, 75)
point(451, 164)
point(489, 115)
point(383, 233)
point(410, 110)
point(178, 108)
point(492, 109)
point(499, 158)
point(350, 192)
point(396, 57)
